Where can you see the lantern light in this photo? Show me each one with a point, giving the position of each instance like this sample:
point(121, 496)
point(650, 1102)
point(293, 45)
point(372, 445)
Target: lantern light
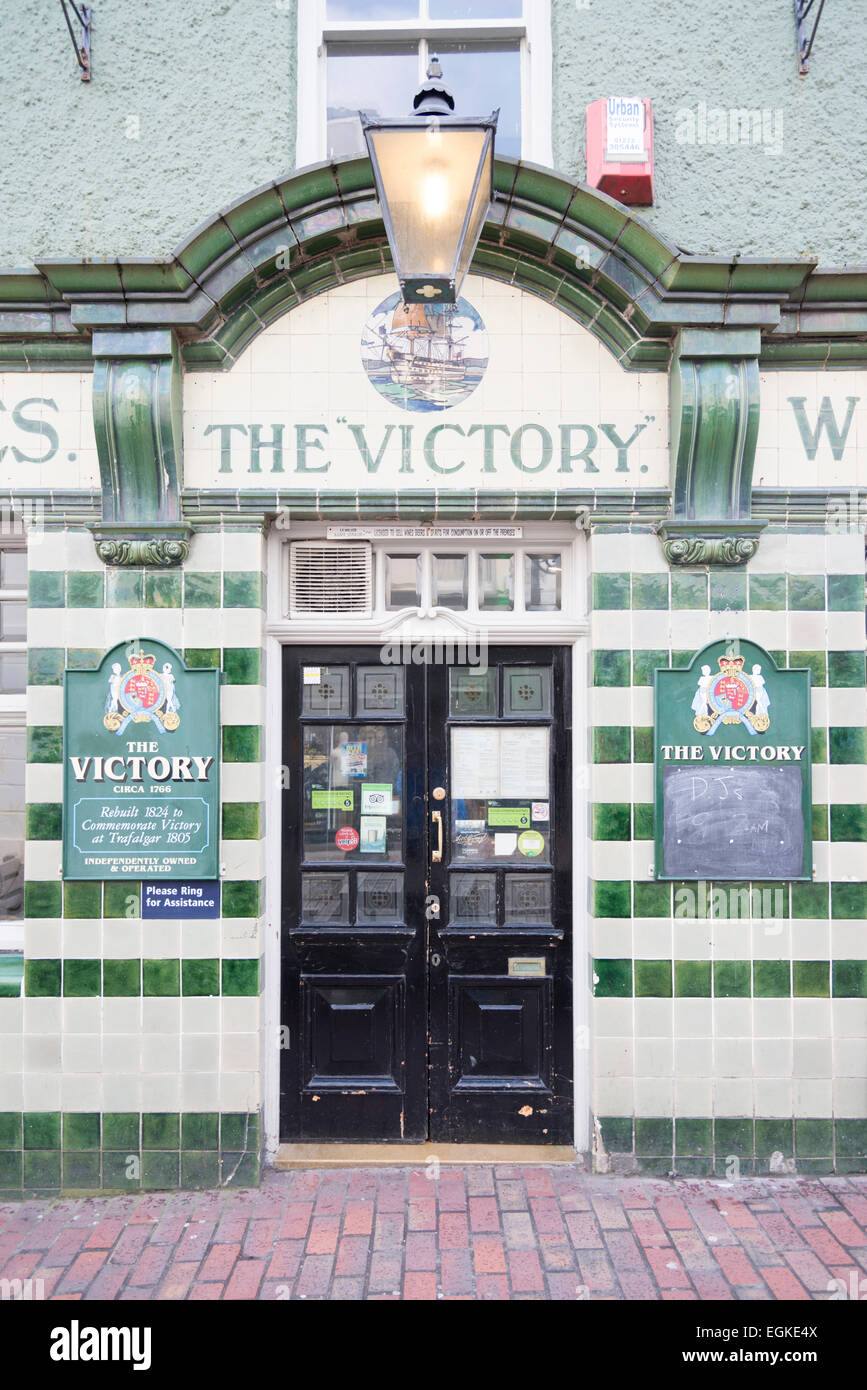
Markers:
point(434, 175)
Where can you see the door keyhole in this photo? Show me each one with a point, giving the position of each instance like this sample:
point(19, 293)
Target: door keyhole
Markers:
point(436, 959)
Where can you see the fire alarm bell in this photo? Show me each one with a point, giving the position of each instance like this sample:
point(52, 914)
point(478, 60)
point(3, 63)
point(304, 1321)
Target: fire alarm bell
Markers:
point(620, 149)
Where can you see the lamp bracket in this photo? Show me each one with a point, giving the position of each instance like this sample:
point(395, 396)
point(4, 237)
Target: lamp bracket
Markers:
point(84, 16)
point(806, 39)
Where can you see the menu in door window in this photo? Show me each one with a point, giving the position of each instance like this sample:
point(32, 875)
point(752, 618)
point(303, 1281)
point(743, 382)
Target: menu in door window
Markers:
point(500, 787)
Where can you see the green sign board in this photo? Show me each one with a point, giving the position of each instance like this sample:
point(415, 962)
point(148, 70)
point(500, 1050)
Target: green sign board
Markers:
point(141, 764)
point(732, 767)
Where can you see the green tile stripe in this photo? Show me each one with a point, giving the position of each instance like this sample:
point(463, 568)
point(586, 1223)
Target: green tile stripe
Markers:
point(739, 901)
point(98, 978)
point(240, 665)
point(622, 667)
point(46, 1153)
point(623, 978)
point(722, 589)
point(694, 1146)
point(239, 898)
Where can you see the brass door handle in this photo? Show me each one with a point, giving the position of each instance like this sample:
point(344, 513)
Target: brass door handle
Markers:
point(437, 817)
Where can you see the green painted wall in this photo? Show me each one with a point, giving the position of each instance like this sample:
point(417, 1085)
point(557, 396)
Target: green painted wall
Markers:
point(212, 85)
point(721, 199)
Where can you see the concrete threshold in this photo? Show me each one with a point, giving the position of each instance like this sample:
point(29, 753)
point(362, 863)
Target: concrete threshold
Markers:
point(414, 1155)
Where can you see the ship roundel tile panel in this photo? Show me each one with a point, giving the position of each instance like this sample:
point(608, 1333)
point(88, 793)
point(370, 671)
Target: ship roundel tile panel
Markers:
point(423, 357)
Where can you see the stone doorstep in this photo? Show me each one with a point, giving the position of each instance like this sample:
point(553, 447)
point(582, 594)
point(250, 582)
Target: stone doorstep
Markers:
point(410, 1155)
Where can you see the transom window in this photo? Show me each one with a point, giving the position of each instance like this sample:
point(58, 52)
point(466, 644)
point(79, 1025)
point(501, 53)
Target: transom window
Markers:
point(372, 55)
point(526, 579)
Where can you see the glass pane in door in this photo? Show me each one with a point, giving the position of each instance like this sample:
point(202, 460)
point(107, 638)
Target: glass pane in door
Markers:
point(353, 788)
point(500, 794)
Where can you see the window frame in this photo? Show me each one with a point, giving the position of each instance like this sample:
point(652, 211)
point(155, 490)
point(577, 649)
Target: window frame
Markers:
point(13, 718)
point(533, 32)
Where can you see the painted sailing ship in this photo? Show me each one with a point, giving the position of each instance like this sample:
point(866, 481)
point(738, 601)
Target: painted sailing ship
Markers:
point(423, 352)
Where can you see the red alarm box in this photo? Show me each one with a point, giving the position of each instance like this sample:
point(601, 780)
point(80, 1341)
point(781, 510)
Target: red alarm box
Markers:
point(620, 149)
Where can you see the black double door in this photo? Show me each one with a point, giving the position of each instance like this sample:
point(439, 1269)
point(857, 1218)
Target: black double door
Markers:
point(426, 957)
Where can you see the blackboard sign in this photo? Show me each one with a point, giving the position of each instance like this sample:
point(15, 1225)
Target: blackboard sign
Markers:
point(732, 767)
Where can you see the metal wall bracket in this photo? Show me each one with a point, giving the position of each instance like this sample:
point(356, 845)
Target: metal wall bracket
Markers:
point(806, 31)
point(84, 16)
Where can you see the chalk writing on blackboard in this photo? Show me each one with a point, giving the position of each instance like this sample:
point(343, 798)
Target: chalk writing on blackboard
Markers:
point(732, 822)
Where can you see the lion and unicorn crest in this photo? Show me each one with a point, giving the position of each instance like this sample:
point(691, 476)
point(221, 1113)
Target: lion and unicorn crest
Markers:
point(141, 695)
point(730, 696)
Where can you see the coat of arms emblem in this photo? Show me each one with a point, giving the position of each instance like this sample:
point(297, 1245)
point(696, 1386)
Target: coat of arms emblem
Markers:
point(731, 697)
point(141, 695)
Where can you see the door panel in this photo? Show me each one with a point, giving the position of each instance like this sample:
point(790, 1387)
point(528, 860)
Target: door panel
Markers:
point(427, 994)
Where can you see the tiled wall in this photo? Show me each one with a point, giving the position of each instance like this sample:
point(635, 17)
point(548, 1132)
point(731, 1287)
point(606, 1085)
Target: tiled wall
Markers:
point(719, 1039)
point(133, 1056)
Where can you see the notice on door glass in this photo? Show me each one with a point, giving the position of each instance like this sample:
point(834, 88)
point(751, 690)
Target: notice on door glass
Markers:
point(499, 763)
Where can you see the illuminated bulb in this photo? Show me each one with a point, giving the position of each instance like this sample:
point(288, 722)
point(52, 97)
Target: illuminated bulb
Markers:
point(435, 195)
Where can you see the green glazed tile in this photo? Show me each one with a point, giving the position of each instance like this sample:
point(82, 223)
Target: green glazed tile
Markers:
point(42, 978)
point(692, 979)
point(846, 593)
point(124, 588)
point(200, 977)
point(653, 979)
point(820, 822)
point(241, 820)
point(44, 743)
point(11, 1174)
point(11, 1131)
point(772, 979)
point(240, 899)
point(242, 589)
point(806, 592)
point(41, 1169)
point(652, 900)
point(693, 1137)
point(42, 899)
point(85, 590)
point(687, 1166)
point(814, 660)
point(81, 1171)
point(122, 899)
point(200, 1169)
point(775, 1136)
point(161, 978)
point(238, 1132)
point(728, 590)
point(162, 589)
point(846, 669)
point(242, 1170)
point(819, 745)
point(121, 978)
point(160, 1170)
point(610, 745)
point(46, 589)
point(202, 658)
point(611, 591)
point(120, 1130)
point(642, 743)
point(811, 979)
point(83, 658)
point(201, 590)
point(81, 1131)
point(42, 1129)
point(240, 977)
point(45, 665)
point(814, 1138)
point(644, 663)
point(642, 821)
point(731, 979)
point(242, 665)
point(613, 979)
point(616, 1133)
point(611, 668)
point(611, 821)
point(768, 591)
point(851, 1138)
point(847, 744)
point(82, 899)
point(654, 1137)
point(849, 979)
point(680, 660)
point(612, 898)
point(241, 743)
point(160, 1130)
point(849, 901)
point(118, 1173)
point(769, 900)
point(733, 1137)
point(81, 978)
point(649, 591)
point(688, 590)
point(849, 822)
point(809, 900)
point(200, 1131)
point(43, 821)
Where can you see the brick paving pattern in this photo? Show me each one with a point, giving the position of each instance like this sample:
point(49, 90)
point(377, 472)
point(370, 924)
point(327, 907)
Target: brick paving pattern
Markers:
point(469, 1233)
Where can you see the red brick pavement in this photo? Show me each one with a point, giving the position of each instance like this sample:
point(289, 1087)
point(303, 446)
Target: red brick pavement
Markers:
point(492, 1232)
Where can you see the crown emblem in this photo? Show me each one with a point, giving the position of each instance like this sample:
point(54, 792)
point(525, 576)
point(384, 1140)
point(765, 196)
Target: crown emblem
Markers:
point(141, 695)
point(729, 664)
point(142, 663)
